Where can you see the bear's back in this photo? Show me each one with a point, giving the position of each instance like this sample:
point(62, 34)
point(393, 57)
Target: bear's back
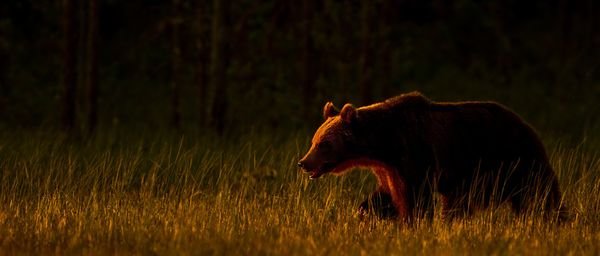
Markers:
point(477, 128)
point(487, 130)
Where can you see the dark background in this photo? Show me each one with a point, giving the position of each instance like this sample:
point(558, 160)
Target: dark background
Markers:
point(230, 67)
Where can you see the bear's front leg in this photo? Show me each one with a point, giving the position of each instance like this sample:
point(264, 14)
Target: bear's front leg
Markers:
point(380, 204)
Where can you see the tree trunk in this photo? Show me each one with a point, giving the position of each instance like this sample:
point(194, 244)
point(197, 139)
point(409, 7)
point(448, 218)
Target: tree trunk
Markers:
point(4, 85)
point(69, 65)
point(92, 65)
point(175, 65)
point(219, 63)
point(365, 59)
point(385, 53)
point(307, 60)
point(201, 75)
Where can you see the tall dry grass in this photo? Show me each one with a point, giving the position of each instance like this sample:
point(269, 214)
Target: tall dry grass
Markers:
point(118, 195)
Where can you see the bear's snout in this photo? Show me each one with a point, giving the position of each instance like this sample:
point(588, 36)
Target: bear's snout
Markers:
point(304, 165)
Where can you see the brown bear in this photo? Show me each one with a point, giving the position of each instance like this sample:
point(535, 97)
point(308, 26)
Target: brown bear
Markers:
point(472, 154)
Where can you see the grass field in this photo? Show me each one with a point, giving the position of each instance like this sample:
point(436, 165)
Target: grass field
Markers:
point(198, 196)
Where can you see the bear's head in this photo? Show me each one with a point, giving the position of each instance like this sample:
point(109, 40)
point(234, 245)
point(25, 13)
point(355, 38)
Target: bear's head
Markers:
point(333, 143)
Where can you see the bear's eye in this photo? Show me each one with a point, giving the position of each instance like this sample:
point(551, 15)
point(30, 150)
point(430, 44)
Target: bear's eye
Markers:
point(324, 145)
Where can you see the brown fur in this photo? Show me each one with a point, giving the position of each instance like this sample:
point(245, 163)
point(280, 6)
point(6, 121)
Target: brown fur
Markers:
point(474, 154)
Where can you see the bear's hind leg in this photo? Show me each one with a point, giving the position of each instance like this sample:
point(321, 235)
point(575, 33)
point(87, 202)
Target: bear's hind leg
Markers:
point(549, 193)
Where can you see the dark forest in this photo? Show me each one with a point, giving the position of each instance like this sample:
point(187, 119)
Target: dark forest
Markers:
point(230, 67)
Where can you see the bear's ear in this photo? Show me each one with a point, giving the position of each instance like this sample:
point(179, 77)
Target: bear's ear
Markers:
point(348, 113)
point(329, 110)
